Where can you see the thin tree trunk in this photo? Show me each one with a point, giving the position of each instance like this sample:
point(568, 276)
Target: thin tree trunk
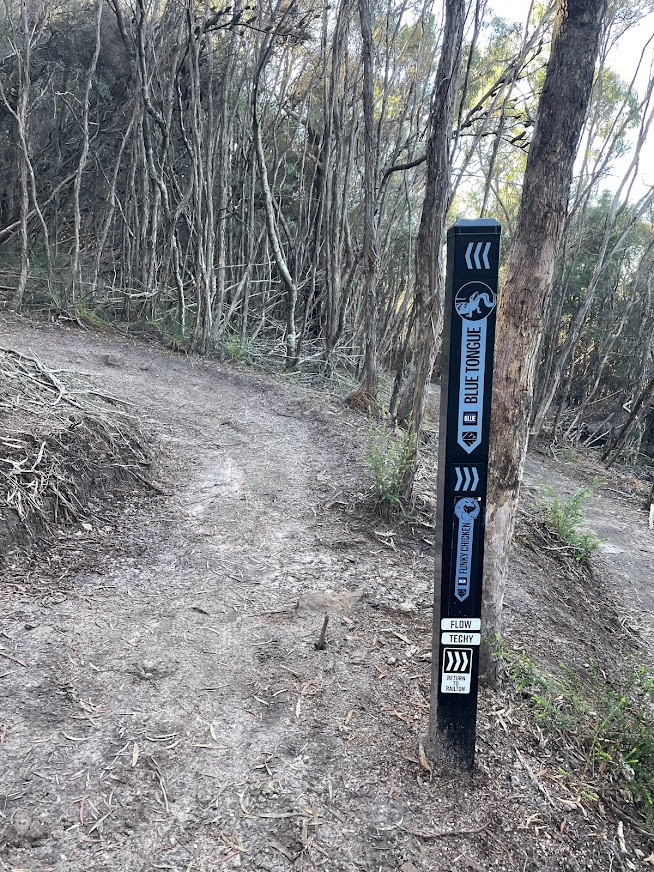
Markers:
point(369, 379)
point(640, 409)
point(428, 287)
point(23, 56)
point(75, 265)
point(271, 221)
point(223, 179)
point(620, 200)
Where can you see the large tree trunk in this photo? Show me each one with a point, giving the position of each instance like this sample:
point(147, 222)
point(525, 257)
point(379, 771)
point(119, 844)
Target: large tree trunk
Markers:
point(528, 283)
point(428, 288)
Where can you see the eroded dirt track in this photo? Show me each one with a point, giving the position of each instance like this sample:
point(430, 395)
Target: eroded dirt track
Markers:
point(167, 709)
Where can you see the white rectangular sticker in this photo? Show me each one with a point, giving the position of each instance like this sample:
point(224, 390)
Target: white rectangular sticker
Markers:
point(461, 638)
point(460, 624)
point(453, 683)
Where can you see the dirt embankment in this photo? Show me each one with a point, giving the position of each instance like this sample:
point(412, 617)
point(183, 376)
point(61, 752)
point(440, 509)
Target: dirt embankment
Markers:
point(169, 710)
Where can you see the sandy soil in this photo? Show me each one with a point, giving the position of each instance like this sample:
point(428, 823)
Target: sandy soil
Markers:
point(162, 702)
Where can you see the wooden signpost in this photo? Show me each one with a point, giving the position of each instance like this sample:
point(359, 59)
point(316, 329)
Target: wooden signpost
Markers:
point(473, 249)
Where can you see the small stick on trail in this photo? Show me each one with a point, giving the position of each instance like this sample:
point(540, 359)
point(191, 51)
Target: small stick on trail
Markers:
point(320, 645)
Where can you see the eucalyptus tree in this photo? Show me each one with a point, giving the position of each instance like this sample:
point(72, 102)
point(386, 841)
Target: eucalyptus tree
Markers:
point(528, 281)
point(428, 279)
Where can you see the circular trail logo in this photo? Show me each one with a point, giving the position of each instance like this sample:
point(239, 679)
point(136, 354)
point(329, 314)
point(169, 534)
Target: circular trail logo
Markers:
point(467, 509)
point(475, 301)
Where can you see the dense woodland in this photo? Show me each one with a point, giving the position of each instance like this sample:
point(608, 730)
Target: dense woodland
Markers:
point(266, 179)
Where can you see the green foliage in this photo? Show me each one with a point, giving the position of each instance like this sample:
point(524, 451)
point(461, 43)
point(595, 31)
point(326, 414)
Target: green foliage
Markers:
point(388, 456)
point(236, 348)
point(175, 337)
point(610, 720)
point(87, 316)
point(248, 350)
point(562, 518)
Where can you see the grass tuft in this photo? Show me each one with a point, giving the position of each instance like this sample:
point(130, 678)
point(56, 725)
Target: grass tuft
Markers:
point(609, 721)
point(563, 517)
point(388, 456)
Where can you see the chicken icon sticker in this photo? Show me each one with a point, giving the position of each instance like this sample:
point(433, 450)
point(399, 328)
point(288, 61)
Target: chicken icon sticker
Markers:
point(474, 302)
point(466, 510)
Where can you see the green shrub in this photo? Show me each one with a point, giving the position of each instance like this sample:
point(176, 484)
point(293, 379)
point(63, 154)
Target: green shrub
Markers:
point(388, 456)
point(562, 518)
point(84, 314)
point(609, 720)
point(235, 349)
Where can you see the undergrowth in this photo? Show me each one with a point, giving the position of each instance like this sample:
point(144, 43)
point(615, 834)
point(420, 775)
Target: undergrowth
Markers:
point(86, 316)
point(563, 517)
point(607, 720)
point(388, 456)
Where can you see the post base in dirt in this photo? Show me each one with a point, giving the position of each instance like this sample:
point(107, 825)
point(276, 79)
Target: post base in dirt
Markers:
point(450, 743)
point(468, 344)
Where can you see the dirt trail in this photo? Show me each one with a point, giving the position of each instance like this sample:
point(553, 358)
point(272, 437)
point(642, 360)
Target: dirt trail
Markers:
point(619, 518)
point(167, 708)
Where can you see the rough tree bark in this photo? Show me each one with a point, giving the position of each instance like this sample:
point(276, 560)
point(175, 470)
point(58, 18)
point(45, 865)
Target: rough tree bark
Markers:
point(428, 288)
point(522, 303)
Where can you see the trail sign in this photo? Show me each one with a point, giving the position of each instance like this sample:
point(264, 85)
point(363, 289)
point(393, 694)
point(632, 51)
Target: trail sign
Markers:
point(473, 249)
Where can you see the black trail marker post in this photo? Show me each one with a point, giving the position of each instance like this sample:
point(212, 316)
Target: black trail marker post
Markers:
point(468, 344)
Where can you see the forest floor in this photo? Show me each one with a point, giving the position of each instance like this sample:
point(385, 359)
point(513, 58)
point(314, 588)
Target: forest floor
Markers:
point(162, 702)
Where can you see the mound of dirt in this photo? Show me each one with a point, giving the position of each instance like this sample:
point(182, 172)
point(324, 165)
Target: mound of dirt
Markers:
point(60, 443)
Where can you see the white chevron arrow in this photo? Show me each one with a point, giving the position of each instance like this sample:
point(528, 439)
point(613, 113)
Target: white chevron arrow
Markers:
point(457, 657)
point(467, 478)
point(475, 251)
point(465, 661)
point(450, 660)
